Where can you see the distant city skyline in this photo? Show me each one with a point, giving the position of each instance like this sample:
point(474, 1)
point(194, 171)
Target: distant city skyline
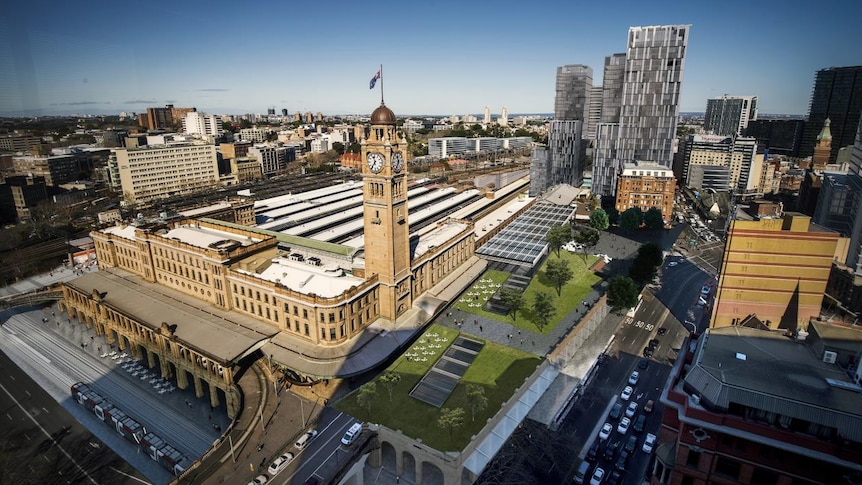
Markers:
point(439, 59)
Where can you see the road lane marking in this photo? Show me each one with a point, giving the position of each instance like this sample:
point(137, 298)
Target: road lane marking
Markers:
point(130, 476)
point(48, 435)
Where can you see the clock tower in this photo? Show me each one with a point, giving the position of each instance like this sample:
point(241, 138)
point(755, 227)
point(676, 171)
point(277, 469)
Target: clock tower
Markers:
point(387, 233)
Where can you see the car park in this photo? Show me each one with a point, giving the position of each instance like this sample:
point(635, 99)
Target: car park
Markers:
point(616, 411)
point(623, 427)
point(605, 433)
point(633, 379)
point(279, 463)
point(648, 406)
point(632, 409)
point(627, 393)
point(598, 476)
point(649, 443)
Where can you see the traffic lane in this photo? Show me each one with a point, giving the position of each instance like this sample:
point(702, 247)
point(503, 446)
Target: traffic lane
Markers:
point(681, 286)
point(312, 460)
point(49, 442)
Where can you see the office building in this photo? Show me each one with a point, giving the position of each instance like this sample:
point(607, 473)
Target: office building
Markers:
point(729, 115)
point(153, 172)
point(574, 87)
point(254, 135)
point(854, 255)
point(781, 137)
point(706, 157)
point(750, 406)
point(207, 126)
point(649, 110)
point(484, 144)
point(18, 195)
point(612, 87)
point(273, 159)
point(562, 161)
point(55, 169)
point(18, 142)
point(775, 268)
point(540, 170)
point(446, 147)
point(837, 95)
point(646, 186)
point(167, 118)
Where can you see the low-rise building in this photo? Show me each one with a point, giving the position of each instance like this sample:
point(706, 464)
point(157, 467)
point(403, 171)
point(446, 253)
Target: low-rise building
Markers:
point(153, 172)
point(646, 186)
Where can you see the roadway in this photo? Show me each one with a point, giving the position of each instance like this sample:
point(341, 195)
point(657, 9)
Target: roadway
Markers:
point(43, 443)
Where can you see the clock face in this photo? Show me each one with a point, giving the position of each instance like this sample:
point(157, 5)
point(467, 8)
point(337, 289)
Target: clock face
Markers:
point(375, 161)
point(397, 161)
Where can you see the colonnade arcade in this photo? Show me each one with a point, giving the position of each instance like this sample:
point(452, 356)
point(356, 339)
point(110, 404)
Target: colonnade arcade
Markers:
point(158, 345)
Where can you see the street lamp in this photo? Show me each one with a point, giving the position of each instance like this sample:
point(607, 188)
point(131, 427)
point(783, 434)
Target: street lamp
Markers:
point(693, 326)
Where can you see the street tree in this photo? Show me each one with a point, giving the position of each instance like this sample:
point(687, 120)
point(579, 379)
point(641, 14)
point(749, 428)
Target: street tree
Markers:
point(543, 309)
point(651, 253)
point(587, 237)
point(558, 236)
point(631, 219)
point(559, 272)
point(366, 396)
point(622, 293)
point(450, 419)
point(653, 218)
point(338, 147)
point(478, 400)
point(599, 219)
point(390, 380)
point(513, 300)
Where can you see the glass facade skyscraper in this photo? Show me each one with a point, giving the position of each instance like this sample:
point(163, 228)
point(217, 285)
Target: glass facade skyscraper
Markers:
point(649, 111)
point(729, 115)
point(837, 95)
point(574, 83)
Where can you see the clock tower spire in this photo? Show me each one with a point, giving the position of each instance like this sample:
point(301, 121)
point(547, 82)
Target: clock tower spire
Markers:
point(387, 233)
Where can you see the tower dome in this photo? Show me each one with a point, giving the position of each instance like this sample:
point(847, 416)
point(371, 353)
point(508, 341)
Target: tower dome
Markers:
point(383, 116)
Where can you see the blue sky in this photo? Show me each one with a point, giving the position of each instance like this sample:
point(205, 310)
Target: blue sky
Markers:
point(439, 56)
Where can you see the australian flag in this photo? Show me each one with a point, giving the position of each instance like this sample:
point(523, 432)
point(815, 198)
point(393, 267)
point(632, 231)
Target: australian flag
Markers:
point(374, 79)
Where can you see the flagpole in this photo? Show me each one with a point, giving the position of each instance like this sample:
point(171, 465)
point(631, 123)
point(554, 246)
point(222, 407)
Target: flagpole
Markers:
point(381, 83)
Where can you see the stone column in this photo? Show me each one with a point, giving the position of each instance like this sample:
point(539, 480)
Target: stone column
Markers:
point(151, 360)
point(214, 402)
point(165, 368)
point(375, 457)
point(233, 401)
point(182, 378)
point(199, 388)
point(399, 462)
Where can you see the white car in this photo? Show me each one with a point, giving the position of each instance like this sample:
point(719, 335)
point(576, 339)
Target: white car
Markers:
point(598, 476)
point(649, 443)
point(279, 463)
point(633, 379)
point(259, 480)
point(672, 264)
point(605, 433)
point(627, 393)
point(632, 409)
point(623, 427)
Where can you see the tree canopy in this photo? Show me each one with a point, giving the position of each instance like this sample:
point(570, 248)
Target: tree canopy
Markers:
point(513, 300)
point(631, 219)
point(390, 380)
point(558, 236)
point(587, 237)
point(367, 394)
point(653, 218)
point(450, 419)
point(599, 219)
point(622, 293)
point(559, 272)
point(543, 308)
point(478, 400)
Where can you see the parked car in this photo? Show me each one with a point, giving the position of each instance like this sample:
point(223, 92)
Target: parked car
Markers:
point(633, 379)
point(632, 409)
point(649, 443)
point(623, 427)
point(643, 364)
point(639, 423)
point(611, 450)
point(616, 411)
point(593, 452)
point(648, 406)
point(598, 475)
point(622, 461)
point(627, 393)
point(605, 433)
point(616, 478)
point(662, 330)
point(259, 480)
point(653, 343)
point(279, 463)
point(631, 444)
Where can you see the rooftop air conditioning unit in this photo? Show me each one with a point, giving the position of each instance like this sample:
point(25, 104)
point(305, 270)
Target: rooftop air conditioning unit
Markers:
point(829, 357)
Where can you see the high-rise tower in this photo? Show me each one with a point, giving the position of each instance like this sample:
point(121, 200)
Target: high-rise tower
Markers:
point(574, 84)
point(387, 234)
point(837, 95)
point(487, 118)
point(729, 115)
point(649, 111)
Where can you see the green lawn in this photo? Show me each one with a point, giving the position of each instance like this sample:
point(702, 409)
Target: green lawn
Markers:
point(498, 369)
point(572, 293)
